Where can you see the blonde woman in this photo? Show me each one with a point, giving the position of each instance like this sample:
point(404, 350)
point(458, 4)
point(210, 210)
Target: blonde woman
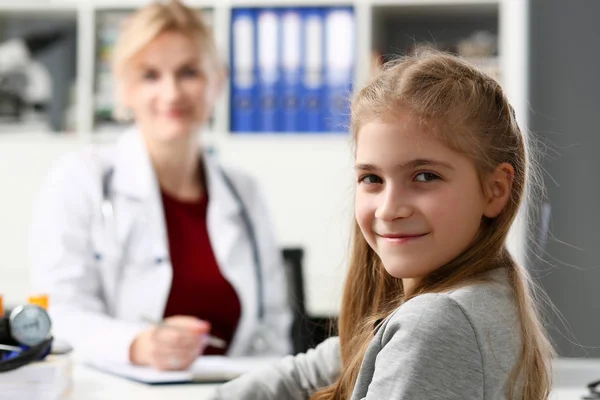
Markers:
point(152, 252)
point(434, 306)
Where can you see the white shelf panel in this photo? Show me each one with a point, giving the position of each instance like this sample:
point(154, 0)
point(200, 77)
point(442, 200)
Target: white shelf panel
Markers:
point(430, 3)
point(24, 127)
point(37, 7)
point(106, 137)
point(133, 4)
point(449, 8)
point(111, 133)
point(284, 135)
point(39, 137)
point(72, 5)
point(291, 3)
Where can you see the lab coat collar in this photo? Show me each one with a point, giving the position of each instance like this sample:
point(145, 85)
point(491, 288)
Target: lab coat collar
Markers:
point(134, 174)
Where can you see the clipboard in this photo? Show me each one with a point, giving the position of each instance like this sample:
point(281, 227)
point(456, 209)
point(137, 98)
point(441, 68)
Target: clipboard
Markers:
point(206, 369)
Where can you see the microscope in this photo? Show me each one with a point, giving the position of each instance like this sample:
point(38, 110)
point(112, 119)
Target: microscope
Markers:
point(25, 84)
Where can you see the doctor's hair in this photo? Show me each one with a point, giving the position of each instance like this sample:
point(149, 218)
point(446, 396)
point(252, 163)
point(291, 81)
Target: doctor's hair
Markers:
point(147, 23)
point(468, 111)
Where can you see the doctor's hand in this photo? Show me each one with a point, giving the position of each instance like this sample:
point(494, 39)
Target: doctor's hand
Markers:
point(173, 345)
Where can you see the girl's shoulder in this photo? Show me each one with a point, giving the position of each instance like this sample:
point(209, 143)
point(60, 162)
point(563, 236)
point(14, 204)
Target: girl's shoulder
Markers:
point(489, 299)
point(467, 338)
point(481, 316)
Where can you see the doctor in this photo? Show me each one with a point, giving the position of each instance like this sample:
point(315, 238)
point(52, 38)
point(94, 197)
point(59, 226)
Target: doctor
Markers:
point(147, 247)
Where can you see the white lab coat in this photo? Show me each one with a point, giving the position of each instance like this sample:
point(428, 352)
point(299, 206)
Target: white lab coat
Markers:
point(107, 278)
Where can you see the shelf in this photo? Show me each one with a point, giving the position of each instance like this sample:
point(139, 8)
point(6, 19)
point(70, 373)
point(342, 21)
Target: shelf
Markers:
point(101, 5)
point(290, 3)
point(265, 140)
point(439, 4)
point(46, 77)
point(298, 137)
point(469, 31)
point(286, 135)
point(24, 127)
point(38, 137)
point(106, 136)
point(34, 7)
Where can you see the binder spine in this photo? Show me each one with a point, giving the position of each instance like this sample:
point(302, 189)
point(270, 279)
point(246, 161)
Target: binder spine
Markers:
point(312, 93)
point(339, 67)
point(243, 83)
point(269, 95)
point(291, 24)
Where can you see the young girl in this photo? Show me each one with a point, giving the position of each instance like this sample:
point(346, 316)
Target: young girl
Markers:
point(434, 306)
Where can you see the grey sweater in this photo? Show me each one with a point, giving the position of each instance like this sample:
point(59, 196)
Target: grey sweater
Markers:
point(456, 345)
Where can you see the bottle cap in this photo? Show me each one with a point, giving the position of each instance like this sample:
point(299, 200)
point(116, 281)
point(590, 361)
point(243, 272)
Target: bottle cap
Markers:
point(40, 300)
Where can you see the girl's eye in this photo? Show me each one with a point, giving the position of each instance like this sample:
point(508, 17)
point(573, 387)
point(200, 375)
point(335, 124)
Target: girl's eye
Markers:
point(370, 179)
point(426, 177)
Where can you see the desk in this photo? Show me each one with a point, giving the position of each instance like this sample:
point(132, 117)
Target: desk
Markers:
point(570, 378)
point(572, 393)
point(90, 384)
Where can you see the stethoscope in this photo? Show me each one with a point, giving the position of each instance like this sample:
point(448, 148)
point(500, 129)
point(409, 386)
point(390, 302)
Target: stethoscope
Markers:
point(108, 215)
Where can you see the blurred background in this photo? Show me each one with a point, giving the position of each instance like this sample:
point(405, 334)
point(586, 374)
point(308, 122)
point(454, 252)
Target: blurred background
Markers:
point(544, 52)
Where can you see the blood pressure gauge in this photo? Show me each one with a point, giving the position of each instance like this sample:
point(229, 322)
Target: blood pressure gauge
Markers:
point(28, 325)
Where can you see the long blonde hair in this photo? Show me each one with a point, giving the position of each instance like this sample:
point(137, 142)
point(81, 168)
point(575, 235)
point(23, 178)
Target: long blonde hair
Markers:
point(470, 113)
point(147, 23)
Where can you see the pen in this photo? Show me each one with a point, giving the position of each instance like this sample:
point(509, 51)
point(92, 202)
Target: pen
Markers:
point(211, 340)
point(216, 342)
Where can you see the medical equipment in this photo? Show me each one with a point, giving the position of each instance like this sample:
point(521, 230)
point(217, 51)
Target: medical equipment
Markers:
point(24, 336)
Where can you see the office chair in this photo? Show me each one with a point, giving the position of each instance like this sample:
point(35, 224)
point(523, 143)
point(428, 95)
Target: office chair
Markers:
point(306, 331)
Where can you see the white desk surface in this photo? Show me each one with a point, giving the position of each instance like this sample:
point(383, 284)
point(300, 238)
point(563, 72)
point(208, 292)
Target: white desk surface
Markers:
point(90, 384)
point(568, 393)
point(571, 378)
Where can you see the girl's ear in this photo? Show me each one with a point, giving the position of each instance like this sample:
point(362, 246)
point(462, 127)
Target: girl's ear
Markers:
point(498, 188)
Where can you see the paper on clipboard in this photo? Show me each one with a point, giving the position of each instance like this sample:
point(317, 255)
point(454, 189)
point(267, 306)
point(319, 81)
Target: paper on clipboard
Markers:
point(205, 369)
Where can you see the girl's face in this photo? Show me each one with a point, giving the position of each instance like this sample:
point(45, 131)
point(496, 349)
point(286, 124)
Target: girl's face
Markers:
point(171, 87)
point(418, 203)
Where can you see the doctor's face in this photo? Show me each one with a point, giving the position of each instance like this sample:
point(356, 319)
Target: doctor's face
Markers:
point(171, 87)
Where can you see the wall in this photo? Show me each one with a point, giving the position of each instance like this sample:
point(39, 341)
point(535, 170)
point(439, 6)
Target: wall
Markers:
point(23, 164)
point(565, 103)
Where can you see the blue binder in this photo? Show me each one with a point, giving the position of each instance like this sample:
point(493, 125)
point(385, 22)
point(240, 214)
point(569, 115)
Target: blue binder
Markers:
point(339, 67)
point(243, 104)
point(269, 94)
point(312, 82)
point(290, 62)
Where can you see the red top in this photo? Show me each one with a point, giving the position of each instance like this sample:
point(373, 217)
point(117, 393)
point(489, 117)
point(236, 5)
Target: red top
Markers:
point(198, 288)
